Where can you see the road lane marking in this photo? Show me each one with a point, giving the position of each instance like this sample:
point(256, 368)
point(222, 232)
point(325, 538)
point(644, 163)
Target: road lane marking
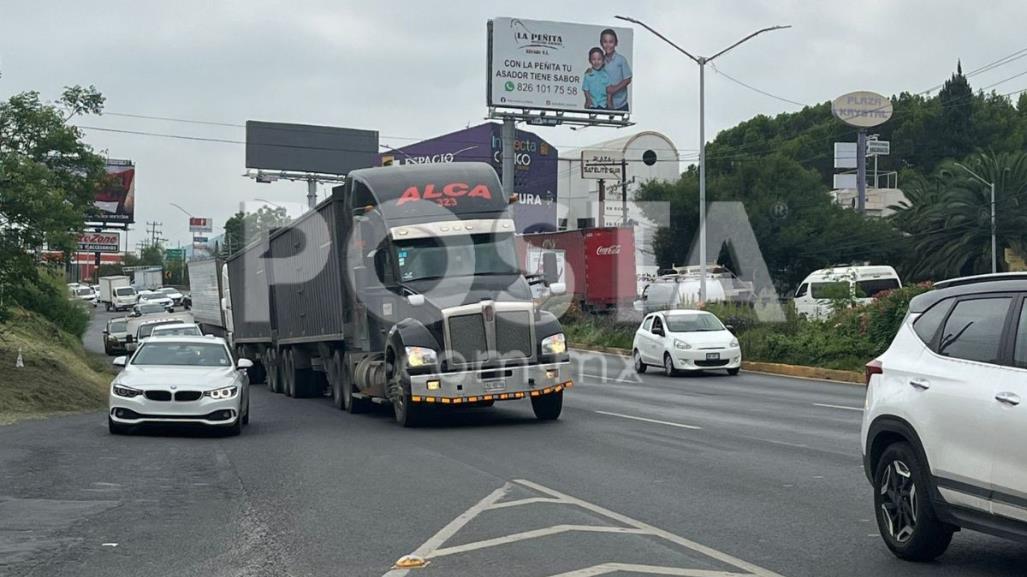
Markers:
point(452, 528)
point(618, 524)
point(554, 530)
point(666, 535)
point(843, 407)
point(645, 420)
point(638, 382)
point(606, 568)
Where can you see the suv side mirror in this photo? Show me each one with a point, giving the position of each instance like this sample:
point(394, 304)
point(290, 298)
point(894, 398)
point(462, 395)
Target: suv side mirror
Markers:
point(557, 289)
point(730, 328)
point(415, 300)
point(120, 361)
point(244, 363)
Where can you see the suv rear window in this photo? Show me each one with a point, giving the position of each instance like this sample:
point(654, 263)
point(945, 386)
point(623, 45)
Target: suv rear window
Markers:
point(927, 325)
point(974, 330)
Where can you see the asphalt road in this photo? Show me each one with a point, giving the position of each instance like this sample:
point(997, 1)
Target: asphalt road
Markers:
point(746, 475)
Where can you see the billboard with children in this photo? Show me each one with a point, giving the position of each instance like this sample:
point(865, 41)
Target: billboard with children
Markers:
point(540, 65)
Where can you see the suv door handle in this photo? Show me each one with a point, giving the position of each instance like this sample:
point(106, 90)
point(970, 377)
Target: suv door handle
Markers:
point(920, 384)
point(1008, 398)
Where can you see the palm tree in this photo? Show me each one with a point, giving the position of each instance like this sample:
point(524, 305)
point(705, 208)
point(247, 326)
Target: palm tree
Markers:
point(947, 218)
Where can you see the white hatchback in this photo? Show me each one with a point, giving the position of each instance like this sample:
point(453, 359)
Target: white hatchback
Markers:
point(943, 429)
point(685, 340)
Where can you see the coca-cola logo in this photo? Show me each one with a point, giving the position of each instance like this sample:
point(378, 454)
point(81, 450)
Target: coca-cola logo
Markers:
point(608, 250)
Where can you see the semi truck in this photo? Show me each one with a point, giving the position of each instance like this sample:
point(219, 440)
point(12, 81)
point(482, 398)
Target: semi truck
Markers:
point(401, 288)
point(206, 291)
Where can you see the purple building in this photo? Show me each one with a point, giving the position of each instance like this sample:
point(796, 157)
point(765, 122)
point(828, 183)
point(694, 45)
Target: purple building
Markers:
point(535, 159)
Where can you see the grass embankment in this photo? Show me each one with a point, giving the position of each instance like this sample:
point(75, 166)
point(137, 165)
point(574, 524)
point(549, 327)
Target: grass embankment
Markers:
point(846, 341)
point(59, 374)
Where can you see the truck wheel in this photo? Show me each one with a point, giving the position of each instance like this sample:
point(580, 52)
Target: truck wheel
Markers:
point(290, 374)
point(275, 374)
point(353, 405)
point(108, 305)
point(332, 369)
point(548, 407)
point(408, 414)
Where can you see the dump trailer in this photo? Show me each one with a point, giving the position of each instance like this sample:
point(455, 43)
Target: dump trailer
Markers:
point(246, 310)
point(205, 289)
point(403, 287)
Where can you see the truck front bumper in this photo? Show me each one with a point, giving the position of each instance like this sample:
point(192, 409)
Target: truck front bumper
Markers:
point(502, 384)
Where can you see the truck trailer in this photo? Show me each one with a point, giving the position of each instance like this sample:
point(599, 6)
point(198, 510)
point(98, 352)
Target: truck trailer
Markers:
point(401, 288)
point(205, 290)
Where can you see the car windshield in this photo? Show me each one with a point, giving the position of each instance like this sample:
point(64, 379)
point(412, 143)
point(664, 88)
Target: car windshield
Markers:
point(182, 354)
point(119, 326)
point(151, 296)
point(147, 329)
point(150, 308)
point(168, 291)
point(478, 254)
point(84, 291)
point(124, 292)
point(177, 331)
point(693, 323)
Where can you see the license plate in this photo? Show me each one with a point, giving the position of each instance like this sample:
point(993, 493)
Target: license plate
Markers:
point(493, 386)
point(712, 356)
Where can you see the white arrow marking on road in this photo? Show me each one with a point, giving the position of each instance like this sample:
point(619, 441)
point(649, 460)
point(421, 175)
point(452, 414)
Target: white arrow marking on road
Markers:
point(554, 530)
point(649, 569)
point(630, 382)
point(645, 420)
point(843, 407)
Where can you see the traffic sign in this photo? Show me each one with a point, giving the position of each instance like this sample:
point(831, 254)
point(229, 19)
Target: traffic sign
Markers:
point(174, 254)
point(878, 147)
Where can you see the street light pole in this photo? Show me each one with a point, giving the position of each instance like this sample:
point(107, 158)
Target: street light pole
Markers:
point(702, 61)
point(994, 243)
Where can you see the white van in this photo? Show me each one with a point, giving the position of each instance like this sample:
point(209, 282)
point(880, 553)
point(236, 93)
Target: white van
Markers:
point(674, 292)
point(813, 297)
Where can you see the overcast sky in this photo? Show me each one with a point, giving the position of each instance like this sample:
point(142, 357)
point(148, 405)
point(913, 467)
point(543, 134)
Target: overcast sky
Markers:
point(414, 70)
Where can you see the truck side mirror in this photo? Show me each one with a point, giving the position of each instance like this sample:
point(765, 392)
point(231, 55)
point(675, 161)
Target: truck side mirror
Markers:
point(550, 274)
point(415, 300)
point(557, 288)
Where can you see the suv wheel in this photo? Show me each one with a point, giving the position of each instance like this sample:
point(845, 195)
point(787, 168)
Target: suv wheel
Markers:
point(905, 516)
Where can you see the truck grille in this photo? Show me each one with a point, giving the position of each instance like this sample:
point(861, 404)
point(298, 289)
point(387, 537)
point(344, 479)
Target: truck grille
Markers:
point(467, 333)
point(513, 334)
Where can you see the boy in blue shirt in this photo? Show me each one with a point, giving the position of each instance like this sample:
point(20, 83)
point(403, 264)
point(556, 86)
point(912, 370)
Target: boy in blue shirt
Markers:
point(596, 80)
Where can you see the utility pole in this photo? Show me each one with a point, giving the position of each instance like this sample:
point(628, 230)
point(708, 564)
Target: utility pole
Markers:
point(601, 221)
point(994, 243)
point(702, 61)
point(154, 231)
point(509, 137)
point(861, 171)
point(623, 191)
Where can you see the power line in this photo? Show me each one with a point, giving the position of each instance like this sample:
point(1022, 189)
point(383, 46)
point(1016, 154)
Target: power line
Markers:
point(754, 89)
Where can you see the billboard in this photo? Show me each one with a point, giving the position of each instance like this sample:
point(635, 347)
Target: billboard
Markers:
point(199, 224)
point(535, 161)
point(602, 164)
point(863, 109)
point(308, 148)
point(115, 195)
point(99, 242)
point(541, 65)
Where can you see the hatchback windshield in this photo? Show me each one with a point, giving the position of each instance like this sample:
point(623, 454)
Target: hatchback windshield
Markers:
point(182, 354)
point(478, 254)
point(694, 323)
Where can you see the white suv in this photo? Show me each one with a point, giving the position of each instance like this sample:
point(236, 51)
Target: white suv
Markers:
point(943, 431)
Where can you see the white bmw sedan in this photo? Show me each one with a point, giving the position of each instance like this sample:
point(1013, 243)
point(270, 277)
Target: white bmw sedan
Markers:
point(179, 379)
point(685, 340)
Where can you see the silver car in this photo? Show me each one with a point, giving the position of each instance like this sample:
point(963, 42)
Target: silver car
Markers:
point(180, 380)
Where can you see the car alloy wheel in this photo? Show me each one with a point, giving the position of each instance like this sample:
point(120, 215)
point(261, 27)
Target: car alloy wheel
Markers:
point(639, 365)
point(668, 365)
point(899, 501)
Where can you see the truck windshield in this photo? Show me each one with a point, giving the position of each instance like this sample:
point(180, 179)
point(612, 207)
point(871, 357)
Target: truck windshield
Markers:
point(478, 254)
point(125, 292)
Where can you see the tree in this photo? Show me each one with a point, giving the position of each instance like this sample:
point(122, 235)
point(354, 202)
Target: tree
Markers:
point(948, 216)
point(955, 128)
point(47, 177)
point(243, 228)
point(152, 255)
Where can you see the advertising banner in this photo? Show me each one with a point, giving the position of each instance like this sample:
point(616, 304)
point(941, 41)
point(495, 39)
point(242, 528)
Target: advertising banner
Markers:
point(541, 65)
point(200, 240)
point(535, 161)
point(115, 196)
point(197, 224)
point(99, 242)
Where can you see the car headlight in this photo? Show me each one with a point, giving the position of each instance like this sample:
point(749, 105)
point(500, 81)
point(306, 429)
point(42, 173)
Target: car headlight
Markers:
point(554, 345)
point(734, 343)
point(123, 391)
point(222, 393)
point(421, 356)
point(681, 345)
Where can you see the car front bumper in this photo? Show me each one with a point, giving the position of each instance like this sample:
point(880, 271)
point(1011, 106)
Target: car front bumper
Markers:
point(707, 359)
point(500, 384)
point(205, 411)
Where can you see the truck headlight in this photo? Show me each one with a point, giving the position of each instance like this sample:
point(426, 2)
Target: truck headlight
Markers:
point(222, 393)
point(554, 345)
point(681, 345)
point(129, 392)
point(421, 356)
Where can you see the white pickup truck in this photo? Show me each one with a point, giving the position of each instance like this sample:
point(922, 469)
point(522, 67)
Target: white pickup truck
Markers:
point(116, 293)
